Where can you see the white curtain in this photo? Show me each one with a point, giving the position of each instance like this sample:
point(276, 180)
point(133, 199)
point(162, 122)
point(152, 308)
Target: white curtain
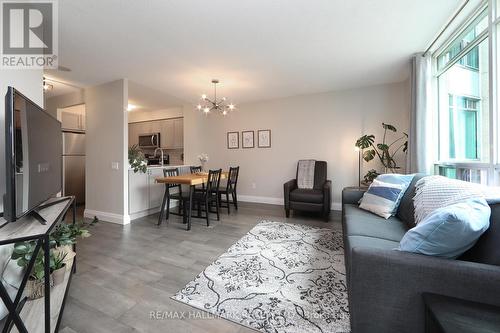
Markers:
point(420, 142)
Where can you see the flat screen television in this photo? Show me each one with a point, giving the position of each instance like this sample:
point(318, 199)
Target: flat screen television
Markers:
point(33, 156)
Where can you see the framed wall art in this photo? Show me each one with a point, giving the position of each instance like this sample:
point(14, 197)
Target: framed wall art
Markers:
point(233, 140)
point(247, 139)
point(264, 138)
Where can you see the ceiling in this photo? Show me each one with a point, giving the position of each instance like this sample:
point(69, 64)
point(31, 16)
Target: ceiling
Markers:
point(258, 49)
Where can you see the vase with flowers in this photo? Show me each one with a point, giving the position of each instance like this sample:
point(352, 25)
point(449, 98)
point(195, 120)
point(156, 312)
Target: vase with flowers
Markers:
point(203, 158)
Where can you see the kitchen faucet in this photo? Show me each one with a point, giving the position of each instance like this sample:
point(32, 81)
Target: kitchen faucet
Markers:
point(161, 158)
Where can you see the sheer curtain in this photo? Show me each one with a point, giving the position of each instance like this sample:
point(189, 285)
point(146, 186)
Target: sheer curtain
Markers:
point(420, 142)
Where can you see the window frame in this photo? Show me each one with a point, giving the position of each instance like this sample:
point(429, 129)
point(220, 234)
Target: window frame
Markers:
point(492, 167)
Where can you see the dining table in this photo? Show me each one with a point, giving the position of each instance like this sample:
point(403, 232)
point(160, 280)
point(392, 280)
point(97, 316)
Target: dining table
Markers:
point(191, 180)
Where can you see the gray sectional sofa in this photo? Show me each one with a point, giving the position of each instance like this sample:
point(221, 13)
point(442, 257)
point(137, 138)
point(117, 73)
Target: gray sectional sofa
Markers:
point(386, 285)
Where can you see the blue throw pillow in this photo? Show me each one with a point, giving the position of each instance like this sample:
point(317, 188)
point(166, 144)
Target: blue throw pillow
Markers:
point(449, 231)
point(384, 194)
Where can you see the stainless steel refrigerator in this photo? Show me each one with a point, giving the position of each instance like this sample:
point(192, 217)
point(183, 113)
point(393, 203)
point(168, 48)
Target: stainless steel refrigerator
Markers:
point(74, 165)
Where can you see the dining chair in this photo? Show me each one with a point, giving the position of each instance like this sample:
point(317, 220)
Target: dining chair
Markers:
point(196, 169)
point(167, 196)
point(230, 189)
point(206, 199)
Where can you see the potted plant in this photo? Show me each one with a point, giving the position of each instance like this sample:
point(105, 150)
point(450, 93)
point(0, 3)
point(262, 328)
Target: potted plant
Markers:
point(23, 252)
point(385, 151)
point(137, 160)
point(58, 267)
point(65, 235)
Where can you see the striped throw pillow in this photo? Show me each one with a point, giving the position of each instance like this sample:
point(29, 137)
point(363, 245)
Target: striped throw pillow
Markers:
point(382, 198)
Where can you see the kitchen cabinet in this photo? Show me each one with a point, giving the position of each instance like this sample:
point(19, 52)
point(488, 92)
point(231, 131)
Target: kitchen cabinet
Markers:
point(72, 118)
point(138, 187)
point(144, 192)
point(167, 133)
point(171, 132)
point(178, 133)
point(133, 134)
point(156, 190)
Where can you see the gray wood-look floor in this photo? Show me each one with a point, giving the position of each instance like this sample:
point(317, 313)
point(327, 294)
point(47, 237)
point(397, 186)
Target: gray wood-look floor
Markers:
point(126, 272)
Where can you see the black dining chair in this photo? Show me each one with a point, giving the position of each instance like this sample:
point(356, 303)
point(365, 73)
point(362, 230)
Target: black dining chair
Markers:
point(230, 189)
point(196, 169)
point(167, 196)
point(206, 199)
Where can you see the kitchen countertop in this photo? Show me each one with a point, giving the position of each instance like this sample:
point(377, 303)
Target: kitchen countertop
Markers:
point(164, 166)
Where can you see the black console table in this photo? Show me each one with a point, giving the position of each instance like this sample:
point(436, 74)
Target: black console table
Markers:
point(44, 314)
point(444, 314)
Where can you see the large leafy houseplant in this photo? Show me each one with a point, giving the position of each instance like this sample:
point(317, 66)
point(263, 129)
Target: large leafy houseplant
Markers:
point(384, 150)
point(137, 160)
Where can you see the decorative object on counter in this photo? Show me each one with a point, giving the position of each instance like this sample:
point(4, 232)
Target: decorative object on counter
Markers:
point(203, 158)
point(136, 160)
point(247, 139)
point(264, 138)
point(233, 140)
point(384, 151)
point(207, 105)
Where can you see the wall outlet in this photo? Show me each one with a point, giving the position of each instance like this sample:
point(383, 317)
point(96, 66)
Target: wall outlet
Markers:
point(254, 185)
point(115, 165)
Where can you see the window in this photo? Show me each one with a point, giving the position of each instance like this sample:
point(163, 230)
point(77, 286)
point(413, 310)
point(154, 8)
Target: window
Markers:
point(464, 108)
point(463, 113)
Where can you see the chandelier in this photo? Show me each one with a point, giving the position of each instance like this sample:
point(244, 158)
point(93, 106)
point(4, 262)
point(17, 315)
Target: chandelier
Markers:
point(207, 105)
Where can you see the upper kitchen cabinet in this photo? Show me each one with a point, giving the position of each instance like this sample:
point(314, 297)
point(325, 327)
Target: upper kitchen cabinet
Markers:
point(167, 133)
point(179, 133)
point(72, 118)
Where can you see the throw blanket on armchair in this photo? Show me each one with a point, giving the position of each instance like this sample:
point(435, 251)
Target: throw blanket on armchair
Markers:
point(305, 174)
point(433, 192)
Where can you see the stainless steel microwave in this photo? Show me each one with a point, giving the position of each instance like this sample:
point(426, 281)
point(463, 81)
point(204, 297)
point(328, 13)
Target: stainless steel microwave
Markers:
point(150, 140)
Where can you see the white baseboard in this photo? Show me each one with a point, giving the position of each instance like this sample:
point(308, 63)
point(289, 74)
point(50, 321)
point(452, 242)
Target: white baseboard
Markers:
point(173, 203)
point(107, 217)
point(256, 199)
point(276, 201)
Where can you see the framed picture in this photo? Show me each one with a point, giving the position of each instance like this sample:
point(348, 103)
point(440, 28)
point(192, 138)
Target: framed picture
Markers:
point(247, 139)
point(233, 140)
point(264, 138)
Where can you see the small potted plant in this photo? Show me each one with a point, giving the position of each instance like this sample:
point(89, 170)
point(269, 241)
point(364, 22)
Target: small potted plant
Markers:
point(23, 253)
point(65, 235)
point(137, 160)
point(58, 267)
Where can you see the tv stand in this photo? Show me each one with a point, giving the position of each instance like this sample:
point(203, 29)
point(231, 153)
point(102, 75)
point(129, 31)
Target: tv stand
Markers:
point(36, 215)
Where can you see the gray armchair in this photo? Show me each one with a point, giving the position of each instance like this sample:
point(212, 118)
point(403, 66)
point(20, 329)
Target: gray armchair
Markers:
point(317, 199)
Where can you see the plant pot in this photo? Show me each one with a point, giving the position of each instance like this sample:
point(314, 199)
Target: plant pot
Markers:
point(36, 288)
point(70, 254)
point(58, 275)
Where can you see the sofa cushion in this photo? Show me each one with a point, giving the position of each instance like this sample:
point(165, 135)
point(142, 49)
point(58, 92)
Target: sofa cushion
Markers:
point(371, 242)
point(449, 231)
point(306, 195)
point(358, 222)
point(487, 249)
point(406, 210)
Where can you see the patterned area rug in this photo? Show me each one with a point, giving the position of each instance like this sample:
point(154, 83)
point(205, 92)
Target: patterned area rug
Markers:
point(279, 277)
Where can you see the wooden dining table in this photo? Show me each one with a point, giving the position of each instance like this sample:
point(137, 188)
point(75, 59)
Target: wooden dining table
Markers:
point(190, 179)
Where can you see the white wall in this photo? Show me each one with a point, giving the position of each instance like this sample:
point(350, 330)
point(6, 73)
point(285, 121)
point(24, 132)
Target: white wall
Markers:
point(106, 142)
point(135, 116)
point(30, 84)
point(321, 126)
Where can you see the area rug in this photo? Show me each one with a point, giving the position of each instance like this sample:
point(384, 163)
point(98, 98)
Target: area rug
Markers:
point(279, 277)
